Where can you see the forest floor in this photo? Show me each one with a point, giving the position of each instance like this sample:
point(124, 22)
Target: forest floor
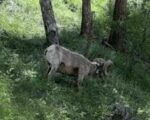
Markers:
point(25, 93)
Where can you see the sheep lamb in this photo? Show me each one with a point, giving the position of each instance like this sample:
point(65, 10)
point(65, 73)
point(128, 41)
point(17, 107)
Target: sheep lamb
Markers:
point(106, 64)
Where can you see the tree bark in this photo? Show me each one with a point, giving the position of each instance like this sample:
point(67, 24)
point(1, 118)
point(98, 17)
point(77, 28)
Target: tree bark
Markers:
point(117, 36)
point(146, 13)
point(49, 22)
point(86, 23)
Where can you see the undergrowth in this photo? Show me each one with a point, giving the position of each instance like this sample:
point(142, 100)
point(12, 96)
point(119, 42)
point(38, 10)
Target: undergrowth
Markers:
point(25, 93)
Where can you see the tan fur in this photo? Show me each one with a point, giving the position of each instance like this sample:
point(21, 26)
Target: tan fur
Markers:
point(105, 66)
point(65, 61)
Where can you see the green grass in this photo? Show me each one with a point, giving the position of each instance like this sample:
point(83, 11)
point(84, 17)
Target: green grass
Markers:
point(25, 93)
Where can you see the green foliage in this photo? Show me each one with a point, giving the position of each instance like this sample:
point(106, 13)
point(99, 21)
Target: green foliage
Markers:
point(25, 93)
point(138, 26)
point(16, 17)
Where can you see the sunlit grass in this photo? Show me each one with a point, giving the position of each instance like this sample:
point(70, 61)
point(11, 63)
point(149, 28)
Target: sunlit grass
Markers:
point(22, 18)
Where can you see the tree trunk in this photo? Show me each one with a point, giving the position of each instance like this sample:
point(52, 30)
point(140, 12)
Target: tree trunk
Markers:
point(146, 21)
point(116, 37)
point(146, 13)
point(49, 22)
point(86, 24)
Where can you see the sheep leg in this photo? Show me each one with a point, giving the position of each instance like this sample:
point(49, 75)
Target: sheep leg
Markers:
point(105, 70)
point(48, 70)
point(102, 75)
point(80, 79)
point(52, 71)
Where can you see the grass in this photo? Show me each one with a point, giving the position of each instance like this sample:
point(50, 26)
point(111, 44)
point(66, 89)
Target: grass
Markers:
point(25, 93)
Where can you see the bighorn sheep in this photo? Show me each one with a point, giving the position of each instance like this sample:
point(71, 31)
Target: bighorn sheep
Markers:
point(103, 71)
point(65, 61)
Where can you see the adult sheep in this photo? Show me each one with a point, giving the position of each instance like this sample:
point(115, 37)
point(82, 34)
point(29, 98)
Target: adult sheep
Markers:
point(63, 60)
